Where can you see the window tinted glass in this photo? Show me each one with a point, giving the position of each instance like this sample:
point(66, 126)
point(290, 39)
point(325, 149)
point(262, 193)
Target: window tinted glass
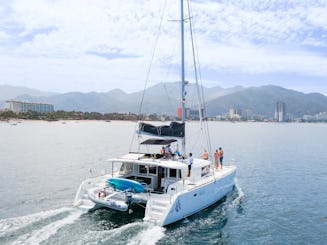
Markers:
point(152, 169)
point(172, 173)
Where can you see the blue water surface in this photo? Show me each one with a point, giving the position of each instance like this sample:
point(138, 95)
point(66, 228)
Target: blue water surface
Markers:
point(280, 196)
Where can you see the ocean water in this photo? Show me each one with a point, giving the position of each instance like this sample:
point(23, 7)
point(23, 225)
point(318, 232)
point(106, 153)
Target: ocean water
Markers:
point(280, 196)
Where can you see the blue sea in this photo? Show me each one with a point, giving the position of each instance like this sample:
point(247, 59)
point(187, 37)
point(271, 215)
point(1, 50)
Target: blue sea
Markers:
point(280, 195)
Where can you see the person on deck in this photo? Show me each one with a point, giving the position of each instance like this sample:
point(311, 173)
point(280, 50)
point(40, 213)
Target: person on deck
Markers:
point(205, 155)
point(177, 153)
point(161, 174)
point(168, 152)
point(221, 157)
point(216, 157)
point(190, 165)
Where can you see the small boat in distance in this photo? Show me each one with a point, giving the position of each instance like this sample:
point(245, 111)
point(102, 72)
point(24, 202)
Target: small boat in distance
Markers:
point(160, 182)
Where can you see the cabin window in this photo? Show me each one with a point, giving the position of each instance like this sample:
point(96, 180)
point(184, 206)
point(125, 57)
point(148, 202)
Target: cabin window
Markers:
point(152, 169)
point(172, 173)
point(126, 168)
point(143, 169)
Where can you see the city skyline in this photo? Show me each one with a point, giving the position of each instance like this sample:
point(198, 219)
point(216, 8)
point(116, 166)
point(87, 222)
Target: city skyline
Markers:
point(102, 45)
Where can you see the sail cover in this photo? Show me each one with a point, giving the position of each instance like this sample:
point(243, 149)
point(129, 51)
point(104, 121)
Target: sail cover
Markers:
point(175, 129)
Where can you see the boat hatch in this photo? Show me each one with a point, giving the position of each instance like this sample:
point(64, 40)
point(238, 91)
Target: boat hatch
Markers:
point(133, 156)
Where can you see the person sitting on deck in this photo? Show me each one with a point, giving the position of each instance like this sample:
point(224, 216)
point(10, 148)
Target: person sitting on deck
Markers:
point(205, 155)
point(162, 151)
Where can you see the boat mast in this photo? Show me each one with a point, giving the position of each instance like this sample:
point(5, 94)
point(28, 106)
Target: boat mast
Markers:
point(183, 73)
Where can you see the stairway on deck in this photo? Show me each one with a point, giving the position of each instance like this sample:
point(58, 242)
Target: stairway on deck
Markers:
point(157, 209)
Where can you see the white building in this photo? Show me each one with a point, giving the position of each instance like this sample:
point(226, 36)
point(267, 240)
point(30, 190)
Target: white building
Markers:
point(234, 114)
point(322, 116)
point(20, 106)
point(280, 112)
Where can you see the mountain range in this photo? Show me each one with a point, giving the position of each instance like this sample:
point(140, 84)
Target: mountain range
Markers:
point(163, 98)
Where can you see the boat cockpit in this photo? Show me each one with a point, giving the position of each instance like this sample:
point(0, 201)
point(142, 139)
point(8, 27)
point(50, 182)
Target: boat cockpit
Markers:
point(154, 174)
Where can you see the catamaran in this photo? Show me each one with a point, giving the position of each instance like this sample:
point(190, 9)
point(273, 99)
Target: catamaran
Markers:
point(160, 182)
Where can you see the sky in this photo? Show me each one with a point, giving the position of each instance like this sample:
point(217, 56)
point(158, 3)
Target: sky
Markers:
point(100, 45)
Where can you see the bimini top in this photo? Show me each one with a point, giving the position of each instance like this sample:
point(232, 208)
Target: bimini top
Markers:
point(158, 141)
point(150, 161)
point(174, 129)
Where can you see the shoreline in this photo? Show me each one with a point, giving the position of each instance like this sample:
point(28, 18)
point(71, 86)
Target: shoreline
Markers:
point(20, 120)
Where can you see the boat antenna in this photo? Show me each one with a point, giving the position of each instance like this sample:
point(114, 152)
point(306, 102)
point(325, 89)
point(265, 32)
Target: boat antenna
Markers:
point(182, 73)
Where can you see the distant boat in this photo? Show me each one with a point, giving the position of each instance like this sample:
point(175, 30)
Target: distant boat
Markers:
point(159, 182)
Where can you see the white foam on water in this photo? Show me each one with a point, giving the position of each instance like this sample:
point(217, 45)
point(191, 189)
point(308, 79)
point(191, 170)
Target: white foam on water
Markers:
point(139, 233)
point(240, 195)
point(150, 236)
point(12, 224)
point(186, 221)
point(110, 236)
point(44, 233)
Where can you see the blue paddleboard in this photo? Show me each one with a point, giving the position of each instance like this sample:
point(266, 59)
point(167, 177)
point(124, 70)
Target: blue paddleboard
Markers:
point(124, 184)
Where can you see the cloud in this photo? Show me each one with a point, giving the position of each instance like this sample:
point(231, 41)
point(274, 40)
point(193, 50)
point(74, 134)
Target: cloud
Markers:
point(262, 21)
point(82, 37)
point(4, 36)
point(85, 25)
point(252, 59)
point(317, 16)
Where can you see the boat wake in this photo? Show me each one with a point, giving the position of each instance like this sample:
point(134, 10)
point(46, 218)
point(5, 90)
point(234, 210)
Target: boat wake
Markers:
point(150, 235)
point(133, 233)
point(36, 228)
point(237, 196)
point(16, 223)
point(70, 225)
point(232, 202)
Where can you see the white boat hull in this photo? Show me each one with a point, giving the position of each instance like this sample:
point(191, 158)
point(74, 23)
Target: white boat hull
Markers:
point(177, 199)
point(198, 199)
point(193, 200)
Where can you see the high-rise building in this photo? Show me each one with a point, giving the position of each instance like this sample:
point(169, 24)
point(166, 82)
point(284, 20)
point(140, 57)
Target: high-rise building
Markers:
point(234, 114)
point(193, 114)
point(280, 112)
point(20, 106)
